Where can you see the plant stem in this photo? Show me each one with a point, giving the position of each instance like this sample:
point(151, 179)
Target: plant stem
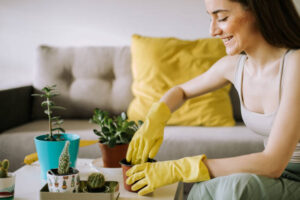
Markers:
point(49, 117)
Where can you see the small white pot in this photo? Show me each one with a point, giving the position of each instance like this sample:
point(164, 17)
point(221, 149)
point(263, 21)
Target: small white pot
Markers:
point(63, 183)
point(7, 186)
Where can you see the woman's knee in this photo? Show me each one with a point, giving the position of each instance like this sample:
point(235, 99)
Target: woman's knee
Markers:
point(235, 186)
point(240, 186)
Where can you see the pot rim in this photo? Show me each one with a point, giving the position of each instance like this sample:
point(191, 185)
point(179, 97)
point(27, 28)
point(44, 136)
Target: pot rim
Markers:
point(125, 163)
point(74, 172)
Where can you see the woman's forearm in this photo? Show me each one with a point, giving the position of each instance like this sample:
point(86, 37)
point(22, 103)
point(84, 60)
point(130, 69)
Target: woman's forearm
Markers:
point(174, 98)
point(256, 163)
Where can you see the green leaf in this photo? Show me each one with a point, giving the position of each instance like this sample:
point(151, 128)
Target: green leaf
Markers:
point(46, 89)
point(96, 132)
point(46, 103)
point(59, 129)
point(124, 116)
point(131, 123)
point(38, 95)
point(55, 118)
point(105, 130)
point(59, 122)
point(58, 107)
point(48, 112)
point(112, 142)
point(140, 122)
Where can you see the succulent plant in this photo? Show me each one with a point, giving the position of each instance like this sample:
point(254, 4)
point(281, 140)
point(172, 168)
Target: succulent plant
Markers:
point(54, 121)
point(114, 130)
point(95, 181)
point(4, 165)
point(64, 160)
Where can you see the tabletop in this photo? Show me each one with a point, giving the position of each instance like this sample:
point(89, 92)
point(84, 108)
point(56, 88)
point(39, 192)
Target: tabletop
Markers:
point(29, 182)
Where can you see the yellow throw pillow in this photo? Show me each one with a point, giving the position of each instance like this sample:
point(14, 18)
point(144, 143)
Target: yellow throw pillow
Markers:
point(159, 64)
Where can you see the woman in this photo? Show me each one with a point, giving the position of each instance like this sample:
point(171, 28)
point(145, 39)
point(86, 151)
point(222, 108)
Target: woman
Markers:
point(262, 40)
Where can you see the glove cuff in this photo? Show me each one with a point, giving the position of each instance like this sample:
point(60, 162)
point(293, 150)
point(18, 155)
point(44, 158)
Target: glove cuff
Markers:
point(192, 169)
point(160, 112)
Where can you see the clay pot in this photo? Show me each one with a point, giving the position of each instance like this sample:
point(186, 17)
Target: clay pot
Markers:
point(112, 156)
point(126, 166)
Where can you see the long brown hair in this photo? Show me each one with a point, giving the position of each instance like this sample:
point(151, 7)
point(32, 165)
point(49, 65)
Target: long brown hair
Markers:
point(278, 21)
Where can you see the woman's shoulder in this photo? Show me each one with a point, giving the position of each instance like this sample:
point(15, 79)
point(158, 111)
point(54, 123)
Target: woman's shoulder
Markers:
point(227, 65)
point(293, 59)
point(294, 54)
point(292, 68)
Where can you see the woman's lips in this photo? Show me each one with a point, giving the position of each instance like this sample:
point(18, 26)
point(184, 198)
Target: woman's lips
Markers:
point(227, 39)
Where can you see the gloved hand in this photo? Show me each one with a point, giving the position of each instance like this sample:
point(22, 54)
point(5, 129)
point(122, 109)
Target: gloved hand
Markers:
point(147, 140)
point(154, 175)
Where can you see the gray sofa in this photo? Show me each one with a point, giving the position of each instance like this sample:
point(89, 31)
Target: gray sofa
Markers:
point(90, 77)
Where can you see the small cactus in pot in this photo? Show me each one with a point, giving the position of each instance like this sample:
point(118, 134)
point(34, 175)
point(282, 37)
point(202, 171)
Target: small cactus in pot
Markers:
point(4, 165)
point(7, 180)
point(64, 160)
point(64, 176)
point(95, 182)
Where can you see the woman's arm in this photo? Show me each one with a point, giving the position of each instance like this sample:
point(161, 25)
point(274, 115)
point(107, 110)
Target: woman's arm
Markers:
point(284, 136)
point(220, 74)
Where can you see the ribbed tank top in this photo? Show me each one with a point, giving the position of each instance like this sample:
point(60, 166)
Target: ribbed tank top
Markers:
point(260, 123)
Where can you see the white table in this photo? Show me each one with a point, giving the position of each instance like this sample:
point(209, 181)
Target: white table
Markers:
point(29, 183)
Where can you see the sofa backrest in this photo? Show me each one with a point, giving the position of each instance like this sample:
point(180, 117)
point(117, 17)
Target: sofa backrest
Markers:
point(88, 78)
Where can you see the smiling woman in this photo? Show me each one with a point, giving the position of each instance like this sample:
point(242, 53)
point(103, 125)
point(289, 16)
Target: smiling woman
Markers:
point(226, 21)
point(267, 33)
point(262, 41)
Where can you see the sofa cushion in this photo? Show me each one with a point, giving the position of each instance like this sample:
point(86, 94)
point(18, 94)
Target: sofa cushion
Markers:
point(86, 78)
point(159, 64)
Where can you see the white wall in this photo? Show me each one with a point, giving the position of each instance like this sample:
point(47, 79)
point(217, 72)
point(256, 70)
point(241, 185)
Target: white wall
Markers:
point(25, 24)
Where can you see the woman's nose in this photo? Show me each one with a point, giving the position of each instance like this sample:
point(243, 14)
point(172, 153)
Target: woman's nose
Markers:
point(214, 29)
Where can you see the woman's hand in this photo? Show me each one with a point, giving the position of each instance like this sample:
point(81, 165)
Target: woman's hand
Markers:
point(147, 140)
point(150, 176)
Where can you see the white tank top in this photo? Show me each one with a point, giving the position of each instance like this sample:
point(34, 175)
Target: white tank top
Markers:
point(260, 123)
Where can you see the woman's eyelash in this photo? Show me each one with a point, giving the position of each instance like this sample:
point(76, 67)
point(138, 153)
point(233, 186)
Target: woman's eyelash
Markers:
point(223, 20)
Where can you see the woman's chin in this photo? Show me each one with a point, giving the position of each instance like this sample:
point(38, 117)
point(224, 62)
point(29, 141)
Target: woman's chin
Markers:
point(232, 51)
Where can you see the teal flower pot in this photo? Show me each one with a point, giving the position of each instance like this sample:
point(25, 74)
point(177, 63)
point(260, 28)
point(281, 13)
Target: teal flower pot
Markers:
point(49, 151)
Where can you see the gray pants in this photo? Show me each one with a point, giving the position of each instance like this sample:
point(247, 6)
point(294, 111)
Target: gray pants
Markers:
point(245, 186)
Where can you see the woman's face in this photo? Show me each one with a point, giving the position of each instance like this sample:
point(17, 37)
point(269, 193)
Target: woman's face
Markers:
point(233, 24)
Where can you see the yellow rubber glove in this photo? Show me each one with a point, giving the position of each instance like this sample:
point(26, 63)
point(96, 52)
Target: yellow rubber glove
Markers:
point(154, 175)
point(147, 140)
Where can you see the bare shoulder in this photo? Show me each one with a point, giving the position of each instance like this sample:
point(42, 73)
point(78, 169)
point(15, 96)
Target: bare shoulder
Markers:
point(295, 56)
point(227, 65)
point(293, 63)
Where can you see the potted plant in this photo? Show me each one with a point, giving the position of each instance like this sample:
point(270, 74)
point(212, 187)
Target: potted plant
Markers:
point(115, 133)
point(49, 146)
point(64, 178)
point(7, 181)
point(125, 167)
point(95, 183)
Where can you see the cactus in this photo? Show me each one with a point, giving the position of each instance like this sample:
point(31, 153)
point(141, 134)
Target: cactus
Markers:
point(4, 165)
point(64, 160)
point(95, 181)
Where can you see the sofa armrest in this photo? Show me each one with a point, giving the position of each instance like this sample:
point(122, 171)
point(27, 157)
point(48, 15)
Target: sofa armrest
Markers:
point(15, 107)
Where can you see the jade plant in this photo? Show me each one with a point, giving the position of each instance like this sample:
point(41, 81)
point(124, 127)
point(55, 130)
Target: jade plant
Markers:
point(4, 165)
point(95, 182)
point(64, 160)
point(54, 122)
point(114, 129)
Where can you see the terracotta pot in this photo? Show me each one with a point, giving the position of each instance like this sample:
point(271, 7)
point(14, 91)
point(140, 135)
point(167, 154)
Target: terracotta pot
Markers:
point(125, 167)
point(112, 156)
